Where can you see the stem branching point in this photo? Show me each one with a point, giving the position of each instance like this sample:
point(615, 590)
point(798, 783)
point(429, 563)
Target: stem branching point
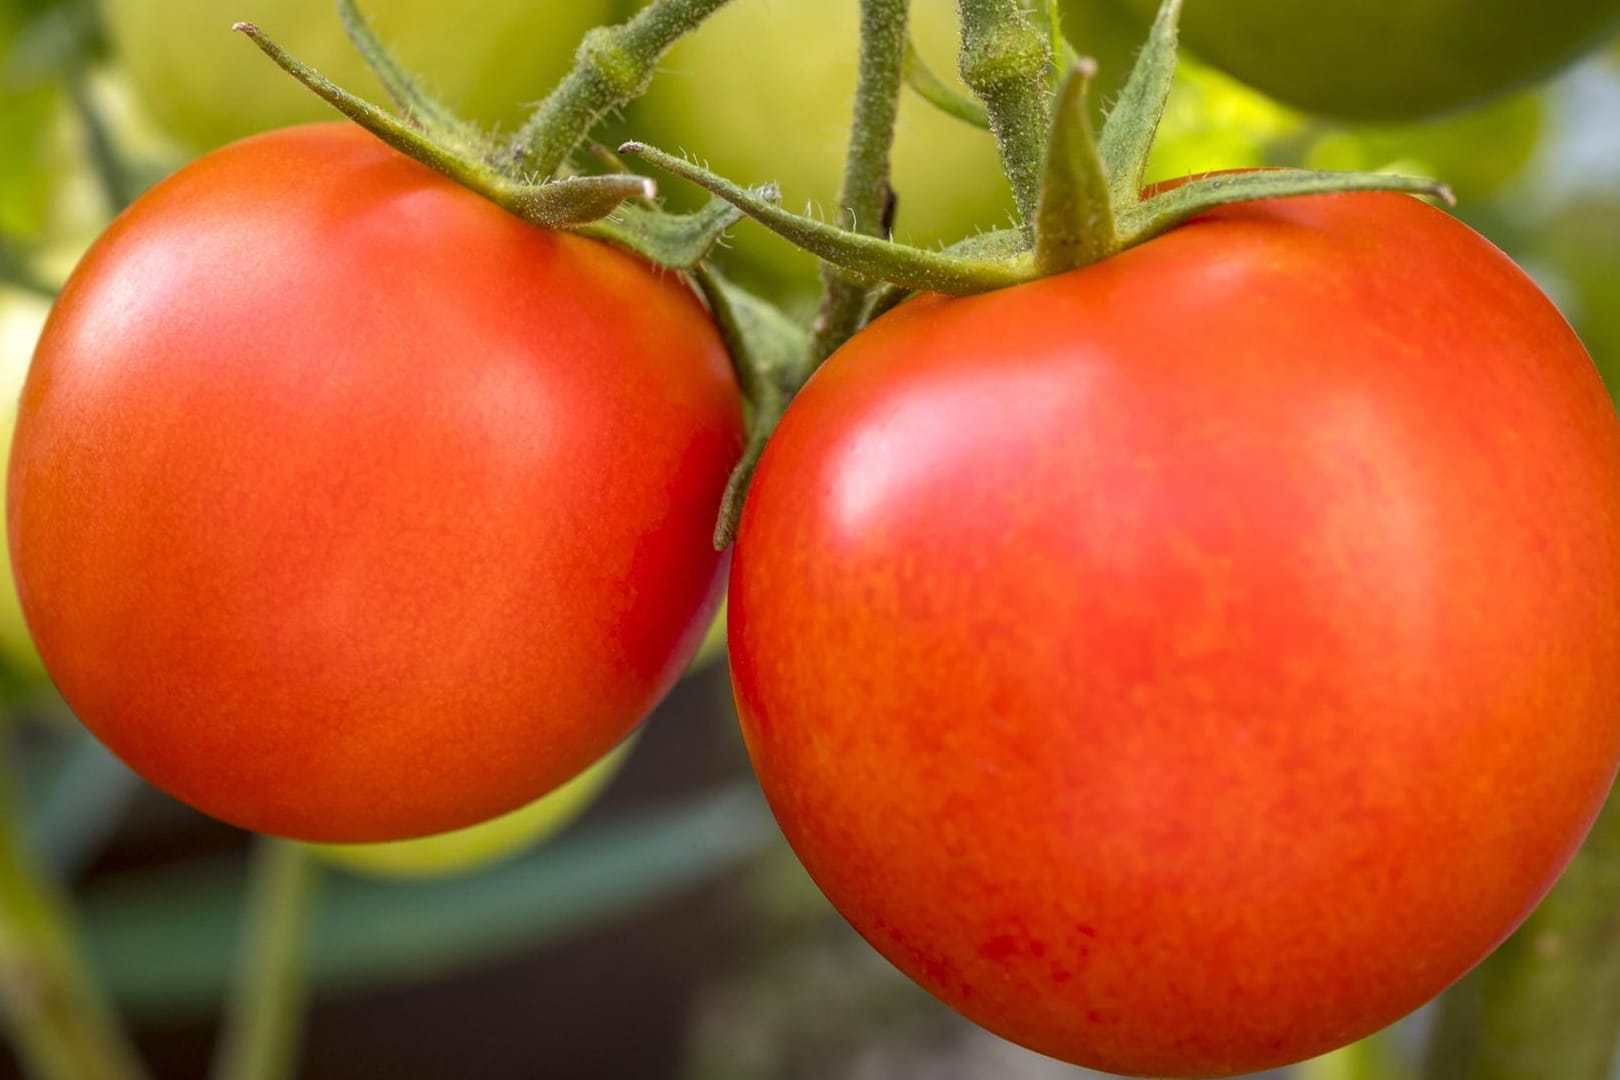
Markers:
point(1006, 62)
point(614, 66)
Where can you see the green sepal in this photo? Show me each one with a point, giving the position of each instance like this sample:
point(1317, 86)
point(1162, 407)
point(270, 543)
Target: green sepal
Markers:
point(1133, 122)
point(1162, 212)
point(997, 245)
point(871, 257)
point(772, 357)
point(1074, 220)
point(560, 204)
point(421, 109)
point(673, 241)
point(571, 202)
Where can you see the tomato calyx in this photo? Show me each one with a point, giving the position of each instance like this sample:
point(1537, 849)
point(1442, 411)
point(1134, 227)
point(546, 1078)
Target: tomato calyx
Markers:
point(773, 356)
point(1089, 203)
point(532, 177)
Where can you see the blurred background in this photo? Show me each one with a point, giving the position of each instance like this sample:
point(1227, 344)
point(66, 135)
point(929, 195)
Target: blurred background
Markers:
point(667, 933)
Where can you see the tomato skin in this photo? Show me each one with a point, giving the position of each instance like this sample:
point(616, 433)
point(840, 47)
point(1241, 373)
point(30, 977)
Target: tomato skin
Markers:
point(1189, 664)
point(1390, 59)
point(348, 507)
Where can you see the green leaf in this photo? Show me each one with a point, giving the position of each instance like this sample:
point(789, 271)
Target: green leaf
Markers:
point(164, 940)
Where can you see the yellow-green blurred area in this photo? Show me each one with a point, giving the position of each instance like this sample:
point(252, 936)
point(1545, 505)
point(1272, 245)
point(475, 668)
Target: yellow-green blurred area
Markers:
point(666, 933)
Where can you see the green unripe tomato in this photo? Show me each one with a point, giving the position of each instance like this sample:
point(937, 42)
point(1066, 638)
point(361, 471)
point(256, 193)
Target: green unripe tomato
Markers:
point(1390, 59)
point(463, 851)
point(208, 87)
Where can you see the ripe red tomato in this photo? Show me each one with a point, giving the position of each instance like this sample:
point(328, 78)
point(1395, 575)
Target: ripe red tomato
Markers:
point(346, 506)
point(1188, 664)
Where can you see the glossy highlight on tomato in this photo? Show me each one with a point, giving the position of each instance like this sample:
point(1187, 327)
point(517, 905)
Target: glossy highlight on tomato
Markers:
point(346, 506)
point(1192, 663)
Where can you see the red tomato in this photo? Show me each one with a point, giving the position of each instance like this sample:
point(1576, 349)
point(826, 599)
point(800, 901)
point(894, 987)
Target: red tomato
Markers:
point(346, 506)
point(1189, 664)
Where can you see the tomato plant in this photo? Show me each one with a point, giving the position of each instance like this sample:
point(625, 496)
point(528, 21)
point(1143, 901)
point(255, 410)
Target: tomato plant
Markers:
point(763, 91)
point(463, 851)
point(346, 506)
point(1390, 59)
point(207, 87)
point(1184, 696)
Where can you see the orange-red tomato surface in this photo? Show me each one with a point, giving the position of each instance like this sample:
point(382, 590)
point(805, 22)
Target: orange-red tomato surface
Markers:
point(1191, 663)
point(346, 506)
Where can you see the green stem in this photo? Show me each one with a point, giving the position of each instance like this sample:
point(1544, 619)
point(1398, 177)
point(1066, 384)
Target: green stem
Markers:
point(1547, 1003)
point(52, 1006)
point(941, 94)
point(1006, 61)
point(615, 64)
point(265, 1015)
point(866, 195)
